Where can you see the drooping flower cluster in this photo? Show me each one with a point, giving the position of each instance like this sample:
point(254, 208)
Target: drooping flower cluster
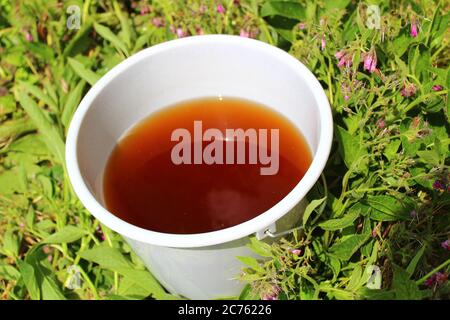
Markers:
point(272, 294)
point(370, 61)
point(408, 90)
point(439, 278)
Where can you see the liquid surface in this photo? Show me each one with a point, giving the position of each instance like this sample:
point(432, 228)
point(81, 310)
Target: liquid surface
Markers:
point(144, 187)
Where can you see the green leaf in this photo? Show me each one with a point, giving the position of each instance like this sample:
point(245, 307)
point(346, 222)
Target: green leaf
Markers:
point(287, 9)
point(9, 183)
point(108, 35)
point(124, 23)
point(143, 279)
point(414, 261)
point(29, 279)
point(45, 277)
point(431, 157)
point(107, 257)
point(344, 221)
point(333, 4)
point(355, 282)
point(49, 131)
point(260, 247)
point(11, 243)
point(350, 147)
point(284, 26)
point(80, 42)
point(387, 208)
point(7, 104)
point(90, 76)
point(252, 263)
point(247, 293)
point(31, 144)
point(71, 104)
point(376, 294)
point(14, 128)
point(390, 151)
point(38, 93)
point(404, 288)
point(345, 249)
point(8, 272)
point(111, 258)
point(310, 208)
point(66, 235)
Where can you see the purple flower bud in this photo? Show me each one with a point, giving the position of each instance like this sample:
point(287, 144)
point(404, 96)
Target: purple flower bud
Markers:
point(180, 33)
point(244, 33)
point(381, 123)
point(437, 88)
point(446, 244)
point(323, 43)
point(158, 22)
point(273, 294)
point(302, 25)
point(430, 281)
point(414, 31)
point(413, 214)
point(220, 9)
point(297, 252)
point(441, 277)
point(144, 10)
point(408, 90)
point(346, 97)
point(28, 36)
point(439, 185)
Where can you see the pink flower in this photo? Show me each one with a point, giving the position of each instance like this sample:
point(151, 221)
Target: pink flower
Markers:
point(28, 36)
point(302, 25)
point(144, 10)
point(220, 9)
point(345, 58)
point(323, 43)
point(414, 31)
point(158, 22)
point(273, 294)
point(339, 54)
point(381, 123)
point(441, 277)
point(446, 244)
point(408, 90)
point(346, 97)
point(436, 279)
point(370, 61)
point(297, 252)
point(413, 214)
point(430, 281)
point(244, 33)
point(437, 88)
point(180, 33)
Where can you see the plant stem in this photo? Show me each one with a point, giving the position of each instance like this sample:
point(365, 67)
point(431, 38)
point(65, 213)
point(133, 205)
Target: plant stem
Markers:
point(424, 278)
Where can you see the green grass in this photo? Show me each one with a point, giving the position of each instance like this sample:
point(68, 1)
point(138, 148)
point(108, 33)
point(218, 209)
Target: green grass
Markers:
point(384, 206)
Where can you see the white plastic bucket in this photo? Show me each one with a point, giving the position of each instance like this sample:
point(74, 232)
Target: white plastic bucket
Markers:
point(197, 266)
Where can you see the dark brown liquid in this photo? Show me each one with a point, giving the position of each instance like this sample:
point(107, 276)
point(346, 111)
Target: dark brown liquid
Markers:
point(144, 187)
